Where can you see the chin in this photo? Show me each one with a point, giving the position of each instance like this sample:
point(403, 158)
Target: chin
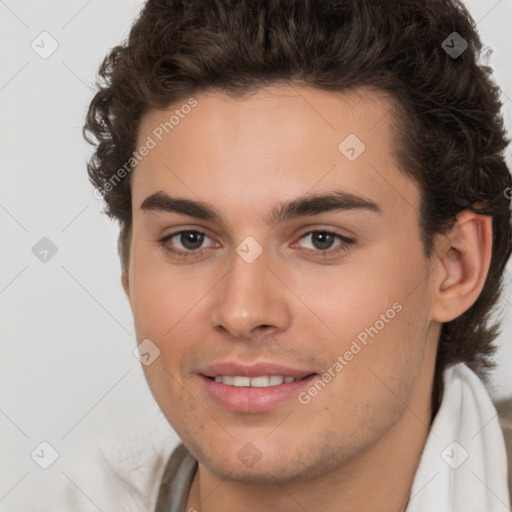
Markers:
point(275, 462)
point(263, 472)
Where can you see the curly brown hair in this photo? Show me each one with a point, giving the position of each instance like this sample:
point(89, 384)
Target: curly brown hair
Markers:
point(451, 131)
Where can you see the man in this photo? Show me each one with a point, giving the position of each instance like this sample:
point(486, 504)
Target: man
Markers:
point(314, 227)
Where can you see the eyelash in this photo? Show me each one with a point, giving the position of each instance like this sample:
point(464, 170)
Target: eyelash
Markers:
point(195, 253)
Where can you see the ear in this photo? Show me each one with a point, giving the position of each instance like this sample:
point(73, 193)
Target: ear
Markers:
point(462, 265)
point(126, 284)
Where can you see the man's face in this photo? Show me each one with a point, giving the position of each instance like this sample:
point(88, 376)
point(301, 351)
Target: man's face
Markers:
point(346, 314)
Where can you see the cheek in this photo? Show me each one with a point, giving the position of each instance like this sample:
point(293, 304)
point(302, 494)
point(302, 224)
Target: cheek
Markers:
point(163, 298)
point(376, 318)
point(344, 301)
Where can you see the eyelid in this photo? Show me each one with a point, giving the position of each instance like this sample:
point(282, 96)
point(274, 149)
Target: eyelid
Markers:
point(330, 230)
point(186, 229)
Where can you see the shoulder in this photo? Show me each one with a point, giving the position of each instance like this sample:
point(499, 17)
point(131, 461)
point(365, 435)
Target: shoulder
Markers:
point(504, 409)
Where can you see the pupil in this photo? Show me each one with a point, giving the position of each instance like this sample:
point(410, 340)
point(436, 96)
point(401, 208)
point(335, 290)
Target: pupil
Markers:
point(191, 240)
point(323, 240)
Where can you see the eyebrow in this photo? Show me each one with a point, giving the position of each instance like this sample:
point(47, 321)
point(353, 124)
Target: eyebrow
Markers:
point(311, 204)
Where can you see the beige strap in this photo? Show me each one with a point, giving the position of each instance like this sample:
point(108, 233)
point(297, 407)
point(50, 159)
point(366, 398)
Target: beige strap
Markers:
point(176, 481)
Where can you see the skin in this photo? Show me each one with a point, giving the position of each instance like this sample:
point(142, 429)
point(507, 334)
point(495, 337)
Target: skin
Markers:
point(361, 437)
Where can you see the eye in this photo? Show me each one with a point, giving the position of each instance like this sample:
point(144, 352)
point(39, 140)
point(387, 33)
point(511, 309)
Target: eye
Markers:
point(322, 241)
point(188, 243)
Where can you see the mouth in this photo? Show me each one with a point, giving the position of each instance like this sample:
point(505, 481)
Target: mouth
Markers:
point(254, 389)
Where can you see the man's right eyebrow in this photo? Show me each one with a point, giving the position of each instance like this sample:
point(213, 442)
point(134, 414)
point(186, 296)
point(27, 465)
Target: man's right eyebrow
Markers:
point(162, 202)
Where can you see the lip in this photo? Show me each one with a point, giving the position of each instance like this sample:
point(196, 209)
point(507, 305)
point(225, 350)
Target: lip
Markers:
point(255, 370)
point(253, 399)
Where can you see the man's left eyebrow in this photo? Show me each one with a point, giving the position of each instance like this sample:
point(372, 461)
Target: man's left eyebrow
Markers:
point(315, 204)
point(312, 204)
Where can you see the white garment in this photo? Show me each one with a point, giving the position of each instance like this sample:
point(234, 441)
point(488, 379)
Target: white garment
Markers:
point(120, 472)
point(463, 467)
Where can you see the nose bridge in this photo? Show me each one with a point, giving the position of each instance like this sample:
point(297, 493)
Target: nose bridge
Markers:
point(250, 297)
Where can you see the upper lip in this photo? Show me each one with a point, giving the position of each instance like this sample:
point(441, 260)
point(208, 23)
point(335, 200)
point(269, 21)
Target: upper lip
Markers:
point(234, 369)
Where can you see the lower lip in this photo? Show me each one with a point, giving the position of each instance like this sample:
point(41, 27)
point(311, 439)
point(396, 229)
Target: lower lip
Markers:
point(253, 400)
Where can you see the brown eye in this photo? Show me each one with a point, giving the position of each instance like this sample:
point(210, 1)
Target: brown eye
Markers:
point(191, 240)
point(184, 244)
point(322, 240)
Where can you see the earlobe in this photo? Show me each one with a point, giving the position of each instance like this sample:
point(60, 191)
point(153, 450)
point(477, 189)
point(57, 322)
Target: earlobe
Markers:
point(463, 264)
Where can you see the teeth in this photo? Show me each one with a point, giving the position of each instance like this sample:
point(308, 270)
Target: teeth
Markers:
point(241, 381)
point(263, 381)
point(260, 382)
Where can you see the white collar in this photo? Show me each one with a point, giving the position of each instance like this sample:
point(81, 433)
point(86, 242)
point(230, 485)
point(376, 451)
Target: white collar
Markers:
point(463, 466)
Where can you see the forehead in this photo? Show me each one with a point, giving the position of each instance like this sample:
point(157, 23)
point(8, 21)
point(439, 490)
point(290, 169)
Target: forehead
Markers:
point(278, 143)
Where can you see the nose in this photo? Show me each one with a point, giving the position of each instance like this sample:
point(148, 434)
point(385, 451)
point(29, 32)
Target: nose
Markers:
point(251, 300)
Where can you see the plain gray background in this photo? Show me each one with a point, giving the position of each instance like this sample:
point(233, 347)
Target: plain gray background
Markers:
point(67, 369)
